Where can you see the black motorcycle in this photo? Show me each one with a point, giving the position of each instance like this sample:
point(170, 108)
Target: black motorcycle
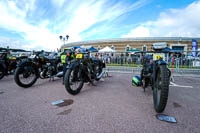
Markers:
point(8, 64)
point(156, 74)
point(37, 66)
point(81, 70)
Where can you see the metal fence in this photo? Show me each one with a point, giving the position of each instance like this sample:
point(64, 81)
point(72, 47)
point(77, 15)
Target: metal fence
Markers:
point(180, 62)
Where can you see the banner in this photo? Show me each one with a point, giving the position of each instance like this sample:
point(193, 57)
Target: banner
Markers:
point(194, 48)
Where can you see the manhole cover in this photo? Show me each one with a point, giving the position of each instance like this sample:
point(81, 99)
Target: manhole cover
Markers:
point(65, 112)
point(166, 118)
point(61, 103)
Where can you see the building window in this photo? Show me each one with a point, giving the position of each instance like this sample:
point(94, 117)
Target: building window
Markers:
point(127, 48)
point(113, 47)
point(99, 48)
point(178, 48)
point(144, 48)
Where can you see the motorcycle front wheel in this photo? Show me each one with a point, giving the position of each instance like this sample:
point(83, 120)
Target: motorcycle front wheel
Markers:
point(73, 84)
point(161, 88)
point(25, 76)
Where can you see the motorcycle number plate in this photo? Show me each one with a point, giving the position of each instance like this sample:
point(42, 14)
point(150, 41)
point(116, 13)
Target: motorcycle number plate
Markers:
point(79, 56)
point(157, 56)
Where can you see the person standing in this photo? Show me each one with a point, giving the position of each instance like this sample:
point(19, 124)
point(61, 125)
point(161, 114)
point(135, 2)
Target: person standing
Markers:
point(64, 61)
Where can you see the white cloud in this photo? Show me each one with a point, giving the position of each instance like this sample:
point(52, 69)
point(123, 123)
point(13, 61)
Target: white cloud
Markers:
point(90, 12)
point(138, 32)
point(70, 17)
point(58, 3)
point(13, 43)
point(173, 23)
point(38, 36)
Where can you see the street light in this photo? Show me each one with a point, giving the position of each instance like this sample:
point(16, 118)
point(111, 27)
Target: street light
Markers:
point(64, 38)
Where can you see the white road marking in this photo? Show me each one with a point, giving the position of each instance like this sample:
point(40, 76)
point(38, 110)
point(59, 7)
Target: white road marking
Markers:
point(173, 84)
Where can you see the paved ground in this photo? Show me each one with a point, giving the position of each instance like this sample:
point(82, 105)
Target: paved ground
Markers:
point(114, 105)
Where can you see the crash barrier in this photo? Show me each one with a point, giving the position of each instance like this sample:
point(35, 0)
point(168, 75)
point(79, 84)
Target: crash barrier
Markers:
point(185, 62)
point(137, 70)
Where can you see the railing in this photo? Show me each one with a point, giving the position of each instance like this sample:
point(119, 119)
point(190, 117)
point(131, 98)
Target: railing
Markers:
point(178, 62)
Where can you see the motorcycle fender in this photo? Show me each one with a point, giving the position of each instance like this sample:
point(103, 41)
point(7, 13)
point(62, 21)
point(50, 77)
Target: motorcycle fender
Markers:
point(162, 63)
point(68, 66)
point(31, 64)
point(72, 65)
point(26, 63)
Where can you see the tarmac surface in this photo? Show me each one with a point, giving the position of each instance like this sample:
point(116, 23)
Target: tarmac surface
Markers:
point(112, 106)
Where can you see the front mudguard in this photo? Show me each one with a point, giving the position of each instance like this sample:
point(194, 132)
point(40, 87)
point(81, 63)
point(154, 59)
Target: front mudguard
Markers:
point(29, 63)
point(72, 65)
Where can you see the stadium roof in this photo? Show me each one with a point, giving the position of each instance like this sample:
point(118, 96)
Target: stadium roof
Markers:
point(135, 39)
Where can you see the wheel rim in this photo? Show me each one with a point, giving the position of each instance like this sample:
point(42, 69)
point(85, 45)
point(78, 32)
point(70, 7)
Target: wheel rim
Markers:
point(27, 76)
point(74, 82)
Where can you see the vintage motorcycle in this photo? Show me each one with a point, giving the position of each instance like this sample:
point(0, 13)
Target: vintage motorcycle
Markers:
point(155, 73)
point(8, 64)
point(37, 66)
point(81, 70)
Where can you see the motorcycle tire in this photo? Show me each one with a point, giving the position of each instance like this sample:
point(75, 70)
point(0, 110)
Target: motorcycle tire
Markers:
point(18, 81)
point(2, 71)
point(161, 88)
point(68, 83)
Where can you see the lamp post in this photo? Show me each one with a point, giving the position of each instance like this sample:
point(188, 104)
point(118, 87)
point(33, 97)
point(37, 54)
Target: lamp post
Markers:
point(63, 39)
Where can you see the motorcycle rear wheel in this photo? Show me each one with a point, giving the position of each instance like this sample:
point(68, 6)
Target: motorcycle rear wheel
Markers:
point(161, 89)
point(73, 85)
point(2, 71)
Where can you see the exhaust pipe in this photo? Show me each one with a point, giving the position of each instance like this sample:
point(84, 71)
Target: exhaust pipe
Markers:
point(59, 74)
point(100, 75)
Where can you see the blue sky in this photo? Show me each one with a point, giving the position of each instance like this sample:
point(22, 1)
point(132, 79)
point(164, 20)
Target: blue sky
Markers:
point(37, 24)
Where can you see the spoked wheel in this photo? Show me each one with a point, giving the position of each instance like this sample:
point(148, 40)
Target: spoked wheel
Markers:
point(73, 84)
point(2, 73)
point(2, 70)
point(161, 89)
point(25, 76)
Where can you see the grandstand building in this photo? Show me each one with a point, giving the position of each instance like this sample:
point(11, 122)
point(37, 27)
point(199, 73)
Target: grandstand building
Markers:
point(140, 43)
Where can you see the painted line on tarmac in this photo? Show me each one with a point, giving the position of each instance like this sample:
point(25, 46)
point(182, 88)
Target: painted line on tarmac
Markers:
point(173, 84)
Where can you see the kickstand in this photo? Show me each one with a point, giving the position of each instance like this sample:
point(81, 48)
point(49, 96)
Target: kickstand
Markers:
point(172, 78)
